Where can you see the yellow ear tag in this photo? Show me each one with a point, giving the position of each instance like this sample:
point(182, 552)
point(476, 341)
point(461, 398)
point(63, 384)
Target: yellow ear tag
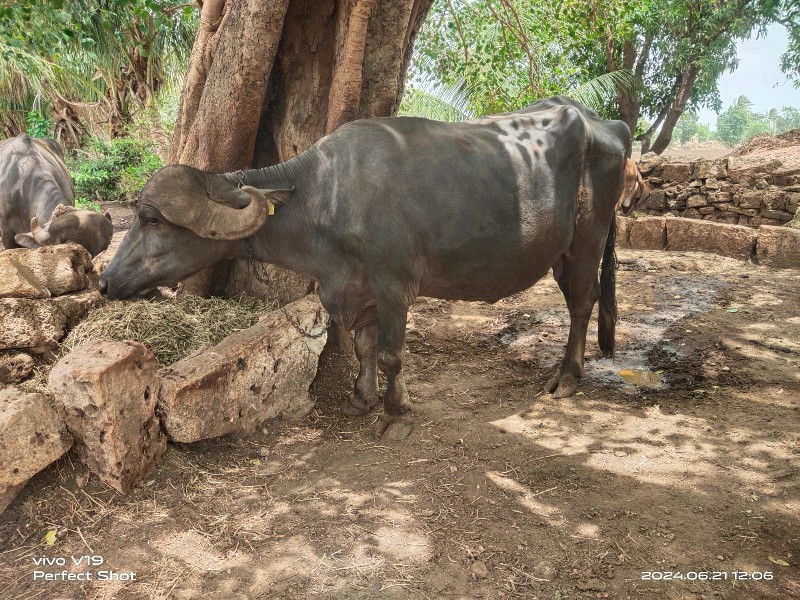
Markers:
point(271, 208)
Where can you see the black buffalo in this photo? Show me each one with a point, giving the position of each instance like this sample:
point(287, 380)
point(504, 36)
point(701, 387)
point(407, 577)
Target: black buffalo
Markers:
point(37, 199)
point(384, 210)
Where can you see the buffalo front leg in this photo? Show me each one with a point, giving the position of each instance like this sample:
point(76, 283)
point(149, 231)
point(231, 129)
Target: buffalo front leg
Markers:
point(365, 393)
point(578, 282)
point(391, 348)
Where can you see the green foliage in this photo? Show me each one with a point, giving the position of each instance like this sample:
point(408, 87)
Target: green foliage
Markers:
point(38, 125)
point(733, 122)
point(82, 203)
point(738, 123)
point(114, 169)
point(118, 54)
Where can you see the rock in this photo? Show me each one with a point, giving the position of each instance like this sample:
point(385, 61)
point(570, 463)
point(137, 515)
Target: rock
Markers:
point(15, 366)
point(707, 169)
point(750, 199)
point(720, 197)
point(30, 323)
point(692, 213)
point(706, 210)
point(712, 184)
point(676, 171)
point(696, 201)
point(706, 236)
point(792, 201)
point(648, 233)
point(778, 215)
point(31, 437)
point(748, 212)
point(58, 269)
point(650, 164)
point(101, 261)
point(623, 231)
point(758, 221)
point(656, 200)
point(479, 569)
point(695, 183)
point(774, 199)
point(106, 393)
point(249, 278)
point(251, 376)
point(778, 246)
point(17, 281)
point(76, 306)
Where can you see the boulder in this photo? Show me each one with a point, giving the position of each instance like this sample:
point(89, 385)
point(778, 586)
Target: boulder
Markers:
point(35, 324)
point(707, 236)
point(778, 215)
point(778, 246)
point(249, 377)
point(58, 269)
point(106, 393)
point(31, 437)
point(17, 281)
point(76, 306)
point(750, 199)
point(648, 233)
point(15, 366)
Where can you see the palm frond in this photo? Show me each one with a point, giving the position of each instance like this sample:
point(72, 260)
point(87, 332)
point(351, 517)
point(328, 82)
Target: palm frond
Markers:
point(432, 99)
point(598, 92)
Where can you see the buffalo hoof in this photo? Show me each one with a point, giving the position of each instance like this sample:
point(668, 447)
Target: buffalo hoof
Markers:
point(355, 406)
point(394, 427)
point(561, 386)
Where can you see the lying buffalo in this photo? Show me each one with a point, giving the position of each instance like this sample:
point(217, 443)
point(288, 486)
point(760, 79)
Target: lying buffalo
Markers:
point(384, 210)
point(37, 199)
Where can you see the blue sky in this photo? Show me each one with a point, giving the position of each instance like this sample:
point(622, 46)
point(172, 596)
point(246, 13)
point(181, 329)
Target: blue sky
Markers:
point(758, 76)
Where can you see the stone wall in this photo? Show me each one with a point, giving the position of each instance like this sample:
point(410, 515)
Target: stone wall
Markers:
point(753, 189)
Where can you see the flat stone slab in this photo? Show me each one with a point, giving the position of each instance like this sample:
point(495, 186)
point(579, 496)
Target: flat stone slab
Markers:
point(691, 235)
point(31, 437)
point(648, 233)
point(106, 393)
point(778, 246)
point(249, 377)
point(46, 271)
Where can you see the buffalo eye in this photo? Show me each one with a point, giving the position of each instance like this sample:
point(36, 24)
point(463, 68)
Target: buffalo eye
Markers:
point(152, 221)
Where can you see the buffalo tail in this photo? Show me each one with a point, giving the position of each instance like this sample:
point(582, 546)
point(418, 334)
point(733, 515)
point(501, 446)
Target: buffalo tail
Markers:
point(607, 317)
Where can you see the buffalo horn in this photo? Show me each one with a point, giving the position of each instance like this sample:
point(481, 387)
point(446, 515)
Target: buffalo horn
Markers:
point(41, 235)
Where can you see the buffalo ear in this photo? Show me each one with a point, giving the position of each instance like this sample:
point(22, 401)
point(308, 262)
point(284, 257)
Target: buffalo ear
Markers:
point(26, 240)
point(107, 215)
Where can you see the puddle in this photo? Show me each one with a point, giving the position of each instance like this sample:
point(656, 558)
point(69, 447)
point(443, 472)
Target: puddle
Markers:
point(640, 377)
point(542, 337)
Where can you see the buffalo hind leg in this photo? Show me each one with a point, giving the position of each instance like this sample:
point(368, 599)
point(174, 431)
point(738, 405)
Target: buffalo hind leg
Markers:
point(391, 348)
point(577, 280)
point(365, 393)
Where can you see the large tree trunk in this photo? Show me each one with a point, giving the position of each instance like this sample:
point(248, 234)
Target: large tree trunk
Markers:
point(683, 90)
point(267, 79)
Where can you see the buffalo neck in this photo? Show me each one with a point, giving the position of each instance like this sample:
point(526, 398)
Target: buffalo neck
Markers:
point(288, 238)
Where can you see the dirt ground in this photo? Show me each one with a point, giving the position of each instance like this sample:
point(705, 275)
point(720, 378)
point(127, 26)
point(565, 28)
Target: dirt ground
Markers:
point(686, 462)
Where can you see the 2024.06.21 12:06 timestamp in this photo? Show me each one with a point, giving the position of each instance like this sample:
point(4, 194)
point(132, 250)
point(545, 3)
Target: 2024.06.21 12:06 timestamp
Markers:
point(707, 576)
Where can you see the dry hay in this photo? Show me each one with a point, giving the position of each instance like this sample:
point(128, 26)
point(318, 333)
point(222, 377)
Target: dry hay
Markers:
point(762, 142)
point(171, 329)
